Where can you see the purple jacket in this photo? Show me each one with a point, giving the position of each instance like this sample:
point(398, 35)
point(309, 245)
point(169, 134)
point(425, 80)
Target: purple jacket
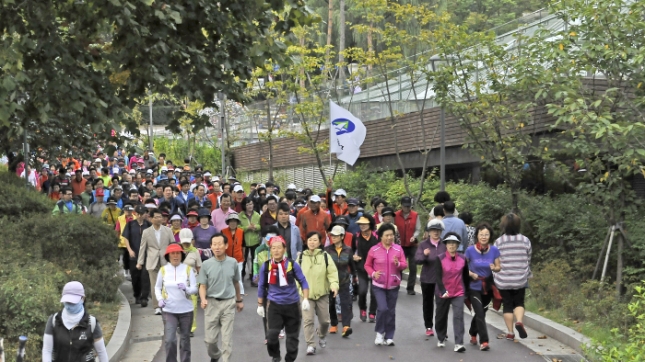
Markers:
point(381, 259)
point(287, 294)
point(428, 262)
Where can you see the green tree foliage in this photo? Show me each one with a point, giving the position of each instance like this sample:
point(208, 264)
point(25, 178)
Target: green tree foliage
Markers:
point(176, 149)
point(73, 70)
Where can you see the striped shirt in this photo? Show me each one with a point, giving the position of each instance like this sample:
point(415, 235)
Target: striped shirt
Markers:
point(515, 256)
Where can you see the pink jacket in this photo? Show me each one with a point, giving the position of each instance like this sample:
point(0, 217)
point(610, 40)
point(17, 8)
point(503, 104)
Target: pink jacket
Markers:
point(381, 259)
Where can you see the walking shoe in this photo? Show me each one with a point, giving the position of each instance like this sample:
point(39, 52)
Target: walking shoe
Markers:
point(144, 303)
point(459, 348)
point(354, 298)
point(311, 350)
point(441, 343)
point(214, 359)
point(363, 315)
point(281, 335)
point(379, 339)
point(473, 340)
point(372, 318)
point(429, 332)
point(157, 311)
point(322, 342)
point(333, 329)
point(347, 330)
point(275, 359)
point(484, 347)
point(510, 337)
point(412, 292)
point(520, 329)
point(389, 342)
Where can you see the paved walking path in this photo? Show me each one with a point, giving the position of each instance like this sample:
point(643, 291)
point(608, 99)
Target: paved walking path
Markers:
point(411, 342)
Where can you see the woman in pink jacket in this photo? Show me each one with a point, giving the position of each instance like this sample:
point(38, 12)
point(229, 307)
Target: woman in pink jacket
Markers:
point(384, 264)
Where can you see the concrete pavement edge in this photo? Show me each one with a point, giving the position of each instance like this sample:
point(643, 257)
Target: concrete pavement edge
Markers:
point(548, 327)
point(121, 336)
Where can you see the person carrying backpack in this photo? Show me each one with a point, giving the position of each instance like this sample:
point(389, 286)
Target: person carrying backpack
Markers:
point(322, 276)
point(277, 290)
point(73, 334)
point(66, 205)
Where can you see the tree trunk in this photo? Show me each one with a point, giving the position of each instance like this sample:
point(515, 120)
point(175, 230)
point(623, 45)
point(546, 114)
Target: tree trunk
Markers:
point(270, 126)
point(341, 44)
point(619, 265)
point(370, 46)
point(330, 30)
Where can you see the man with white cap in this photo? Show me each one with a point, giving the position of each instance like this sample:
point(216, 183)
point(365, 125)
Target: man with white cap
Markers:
point(314, 219)
point(339, 207)
point(72, 332)
point(238, 197)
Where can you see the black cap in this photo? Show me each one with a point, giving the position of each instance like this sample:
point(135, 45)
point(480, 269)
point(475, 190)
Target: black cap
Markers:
point(387, 211)
point(140, 209)
point(406, 201)
point(353, 201)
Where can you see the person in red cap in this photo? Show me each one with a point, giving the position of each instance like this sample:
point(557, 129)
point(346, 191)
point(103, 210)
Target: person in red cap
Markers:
point(175, 284)
point(73, 332)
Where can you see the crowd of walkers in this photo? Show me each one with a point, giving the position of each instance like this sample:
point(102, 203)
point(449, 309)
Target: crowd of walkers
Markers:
point(189, 239)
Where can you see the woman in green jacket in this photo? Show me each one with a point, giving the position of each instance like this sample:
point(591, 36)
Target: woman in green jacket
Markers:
point(250, 224)
point(322, 276)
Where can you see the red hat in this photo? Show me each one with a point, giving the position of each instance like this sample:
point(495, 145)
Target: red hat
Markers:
point(277, 239)
point(100, 192)
point(192, 213)
point(172, 248)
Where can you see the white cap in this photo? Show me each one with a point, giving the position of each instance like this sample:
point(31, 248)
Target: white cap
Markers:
point(238, 188)
point(337, 230)
point(314, 198)
point(86, 173)
point(185, 236)
point(133, 171)
point(116, 169)
point(340, 192)
point(164, 168)
point(291, 187)
point(207, 174)
point(98, 160)
point(216, 178)
point(149, 171)
point(176, 217)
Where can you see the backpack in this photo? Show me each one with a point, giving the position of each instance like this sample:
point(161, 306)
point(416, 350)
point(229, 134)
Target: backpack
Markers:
point(163, 274)
point(290, 275)
point(61, 206)
point(92, 321)
point(324, 253)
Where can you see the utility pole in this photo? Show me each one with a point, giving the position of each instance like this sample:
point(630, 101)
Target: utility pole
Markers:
point(222, 119)
point(150, 132)
point(442, 151)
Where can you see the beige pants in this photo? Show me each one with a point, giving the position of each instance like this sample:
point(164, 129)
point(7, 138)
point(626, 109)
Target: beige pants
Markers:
point(152, 273)
point(320, 308)
point(218, 319)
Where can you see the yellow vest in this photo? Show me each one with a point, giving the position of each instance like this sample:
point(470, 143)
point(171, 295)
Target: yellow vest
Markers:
point(122, 224)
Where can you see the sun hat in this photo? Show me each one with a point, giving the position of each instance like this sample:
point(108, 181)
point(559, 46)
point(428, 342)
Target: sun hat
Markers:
point(232, 216)
point(173, 248)
point(176, 217)
point(451, 239)
point(186, 236)
point(73, 292)
point(204, 212)
point(192, 213)
point(363, 220)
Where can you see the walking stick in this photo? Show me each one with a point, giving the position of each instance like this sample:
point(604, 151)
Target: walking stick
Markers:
point(2, 350)
point(20, 357)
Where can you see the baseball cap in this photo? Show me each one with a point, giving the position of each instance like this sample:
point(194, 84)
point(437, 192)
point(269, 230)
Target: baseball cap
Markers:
point(140, 209)
point(337, 230)
point(128, 208)
point(387, 211)
point(111, 201)
point(207, 174)
point(291, 187)
point(435, 224)
point(185, 236)
point(314, 198)
point(164, 168)
point(149, 171)
point(406, 201)
point(73, 292)
point(238, 188)
point(100, 192)
point(133, 171)
point(352, 201)
point(98, 160)
point(340, 192)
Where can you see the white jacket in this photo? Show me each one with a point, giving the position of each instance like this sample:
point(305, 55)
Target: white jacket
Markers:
point(177, 301)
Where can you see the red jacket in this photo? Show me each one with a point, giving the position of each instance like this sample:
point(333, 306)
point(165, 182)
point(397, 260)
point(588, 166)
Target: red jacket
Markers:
point(406, 227)
point(319, 222)
point(235, 243)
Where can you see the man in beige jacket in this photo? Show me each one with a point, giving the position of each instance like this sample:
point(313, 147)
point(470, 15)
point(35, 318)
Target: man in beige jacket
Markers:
point(154, 242)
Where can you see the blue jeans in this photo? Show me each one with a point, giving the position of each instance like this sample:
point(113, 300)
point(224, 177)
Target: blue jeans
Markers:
point(386, 310)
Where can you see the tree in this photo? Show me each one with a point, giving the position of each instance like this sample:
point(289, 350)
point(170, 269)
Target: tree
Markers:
point(72, 71)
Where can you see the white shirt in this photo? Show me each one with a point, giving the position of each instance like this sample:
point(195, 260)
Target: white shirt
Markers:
point(158, 235)
point(177, 300)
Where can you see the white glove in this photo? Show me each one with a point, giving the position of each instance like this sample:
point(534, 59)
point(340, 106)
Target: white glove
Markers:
point(261, 311)
point(305, 305)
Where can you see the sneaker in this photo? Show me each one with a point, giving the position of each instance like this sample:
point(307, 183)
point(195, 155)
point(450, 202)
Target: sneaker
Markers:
point(473, 340)
point(520, 329)
point(322, 342)
point(347, 330)
point(372, 318)
point(510, 337)
point(311, 350)
point(459, 348)
point(379, 339)
point(441, 343)
point(144, 303)
point(484, 347)
point(333, 329)
point(412, 292)
point(282, 334)
point(389, 342)
point(363, 315)
point(214, 359)
point(157, 311)
point(429, 332)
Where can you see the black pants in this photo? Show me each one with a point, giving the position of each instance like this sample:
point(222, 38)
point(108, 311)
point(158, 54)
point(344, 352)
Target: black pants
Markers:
point(480, 306)
point(365, 284)
point(285, 316)
point(140, 280)
point(126, 259)
point(427, 289)
point(249, 250)
point(345, 306)
point(412, 266)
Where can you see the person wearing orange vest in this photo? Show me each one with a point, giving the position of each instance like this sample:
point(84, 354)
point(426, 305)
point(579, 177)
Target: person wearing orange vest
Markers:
point(235, 247)
point(409, 226)
point(121, 222)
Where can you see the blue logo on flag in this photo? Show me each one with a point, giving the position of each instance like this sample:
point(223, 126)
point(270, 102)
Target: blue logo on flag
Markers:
point(343, 125)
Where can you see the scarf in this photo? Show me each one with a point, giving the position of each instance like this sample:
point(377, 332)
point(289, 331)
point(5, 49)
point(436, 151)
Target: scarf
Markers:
point(192, 225)
point(71, 320)
point(278, 272)
point(482, 249)
point(189, 249)
point(435, 242)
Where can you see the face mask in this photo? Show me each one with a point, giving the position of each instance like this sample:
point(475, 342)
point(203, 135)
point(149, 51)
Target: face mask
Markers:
point(74, 308)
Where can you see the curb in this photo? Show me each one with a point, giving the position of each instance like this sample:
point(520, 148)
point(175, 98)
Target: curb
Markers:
point(548, 327)
point(119, 341)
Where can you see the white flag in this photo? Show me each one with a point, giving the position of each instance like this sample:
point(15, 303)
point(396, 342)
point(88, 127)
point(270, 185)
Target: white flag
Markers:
point(346, 134)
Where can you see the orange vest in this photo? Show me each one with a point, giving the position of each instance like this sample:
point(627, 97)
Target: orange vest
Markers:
point(235, 243)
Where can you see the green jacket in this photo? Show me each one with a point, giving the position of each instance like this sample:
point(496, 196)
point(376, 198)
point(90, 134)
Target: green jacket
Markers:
point(261, 255)
point(251, 238)
point(321, 279)
point(61, 208)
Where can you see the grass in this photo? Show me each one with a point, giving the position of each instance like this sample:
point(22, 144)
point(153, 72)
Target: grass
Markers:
point(107, 314)
point(588, 328)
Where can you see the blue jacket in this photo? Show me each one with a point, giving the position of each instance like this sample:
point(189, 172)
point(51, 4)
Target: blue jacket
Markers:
point(287, 294)
point(456, 225)
point(296, 241)
point(353, 226)
point(190, 197)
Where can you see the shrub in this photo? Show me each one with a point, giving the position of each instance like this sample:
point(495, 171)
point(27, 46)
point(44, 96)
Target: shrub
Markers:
point(18, 201)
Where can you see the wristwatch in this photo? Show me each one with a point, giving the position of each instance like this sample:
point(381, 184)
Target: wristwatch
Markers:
point(239, 301)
